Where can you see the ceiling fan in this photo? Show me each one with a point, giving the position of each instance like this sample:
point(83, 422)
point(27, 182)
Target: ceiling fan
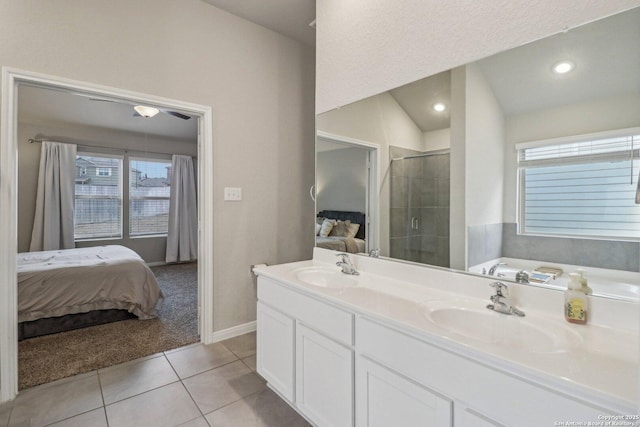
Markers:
point(147, 111)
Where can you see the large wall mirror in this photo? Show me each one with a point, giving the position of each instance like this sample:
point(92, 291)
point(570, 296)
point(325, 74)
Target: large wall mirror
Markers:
point(512, 166)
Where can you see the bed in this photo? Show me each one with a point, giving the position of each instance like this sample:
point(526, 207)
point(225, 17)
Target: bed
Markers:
point(67, 289)
point(337, 241)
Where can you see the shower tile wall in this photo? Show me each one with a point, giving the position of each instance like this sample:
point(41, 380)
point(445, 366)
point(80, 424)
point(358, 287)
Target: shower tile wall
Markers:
point(419, 229)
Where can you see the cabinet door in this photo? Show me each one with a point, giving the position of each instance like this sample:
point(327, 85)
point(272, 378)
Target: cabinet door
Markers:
point(386, 398)
point(275, 350)
point(324, 379)
point(473, 419)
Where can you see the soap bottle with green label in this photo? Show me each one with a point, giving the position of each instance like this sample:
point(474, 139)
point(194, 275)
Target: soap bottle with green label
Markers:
point(576, 303)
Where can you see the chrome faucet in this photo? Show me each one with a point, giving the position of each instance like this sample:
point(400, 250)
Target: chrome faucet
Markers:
point(374, 253)
point(522, 277)
point(494, 267)
point(501, 302)
point(347, 266)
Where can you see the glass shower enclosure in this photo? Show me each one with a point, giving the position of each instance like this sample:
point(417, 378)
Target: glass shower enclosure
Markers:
point(419, 204)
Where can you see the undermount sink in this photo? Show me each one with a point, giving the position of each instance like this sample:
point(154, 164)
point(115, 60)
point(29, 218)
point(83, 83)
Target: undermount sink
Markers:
point(325, 277)
point(509, 331)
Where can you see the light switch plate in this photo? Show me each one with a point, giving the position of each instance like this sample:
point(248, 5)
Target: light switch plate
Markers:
point(233, 193)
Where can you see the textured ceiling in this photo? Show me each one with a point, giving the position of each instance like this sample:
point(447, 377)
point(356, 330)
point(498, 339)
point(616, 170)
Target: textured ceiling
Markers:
point(364, 48)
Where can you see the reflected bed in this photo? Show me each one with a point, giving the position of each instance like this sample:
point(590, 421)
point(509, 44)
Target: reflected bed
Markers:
point(348, 234)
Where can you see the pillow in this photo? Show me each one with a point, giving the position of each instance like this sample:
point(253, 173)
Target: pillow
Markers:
point(320, 220)
point(340, 229)
point(318, 228)
point(327, 225)
point(352, 230)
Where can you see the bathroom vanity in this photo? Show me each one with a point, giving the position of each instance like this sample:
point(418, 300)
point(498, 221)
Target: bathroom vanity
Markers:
point(407, 345)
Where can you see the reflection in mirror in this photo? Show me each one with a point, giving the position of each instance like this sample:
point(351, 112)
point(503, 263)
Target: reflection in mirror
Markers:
point(525, 160)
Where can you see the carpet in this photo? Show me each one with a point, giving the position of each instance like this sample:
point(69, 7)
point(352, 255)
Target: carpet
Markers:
point(52, 357)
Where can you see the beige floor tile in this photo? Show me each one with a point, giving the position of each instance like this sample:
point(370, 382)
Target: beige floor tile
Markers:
point(200, 358)
point(218, 387)
point(95, 418)
point(243, 345)
point(56, 401)
point(126, 380)
point(5, 410)
point(250, 362)
point(167, 406)
point(198, 422)
point(263, 409)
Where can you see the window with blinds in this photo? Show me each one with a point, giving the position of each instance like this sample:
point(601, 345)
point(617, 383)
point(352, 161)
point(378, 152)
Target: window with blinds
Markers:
point(98, 197)
point(582, 188)
point(149, 187)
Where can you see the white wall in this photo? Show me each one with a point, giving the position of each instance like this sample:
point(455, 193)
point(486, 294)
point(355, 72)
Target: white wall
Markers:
point(617, 112)
point(381, 120)
point(436, 140)
point(364, 47)
point(341, 180)
point(484, 151)
point(261, 89)
point(151, 249)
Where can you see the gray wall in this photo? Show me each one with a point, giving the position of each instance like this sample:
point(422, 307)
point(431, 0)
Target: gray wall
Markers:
point(259, 84)
point(341, 180)
point(151, 249)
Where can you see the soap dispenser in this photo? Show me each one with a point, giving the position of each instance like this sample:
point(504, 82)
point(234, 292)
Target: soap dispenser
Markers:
point(583, 281)
point(576, 304)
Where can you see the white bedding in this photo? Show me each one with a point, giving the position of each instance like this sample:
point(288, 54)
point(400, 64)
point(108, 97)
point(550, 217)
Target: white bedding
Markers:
point(56, 283)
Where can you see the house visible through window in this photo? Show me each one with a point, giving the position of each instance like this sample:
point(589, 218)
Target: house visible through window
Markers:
point(98, 197)
point(581, 188)
point(149, 181)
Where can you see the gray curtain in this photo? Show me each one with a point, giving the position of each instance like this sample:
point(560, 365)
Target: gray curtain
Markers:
point(53, 222)
point(182, 241)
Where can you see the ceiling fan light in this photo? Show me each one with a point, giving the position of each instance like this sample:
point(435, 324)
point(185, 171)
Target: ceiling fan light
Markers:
point(145, 111)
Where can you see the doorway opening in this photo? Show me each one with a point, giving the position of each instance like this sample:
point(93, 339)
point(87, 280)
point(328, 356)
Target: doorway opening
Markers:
point(12, 83)
point(347, 188)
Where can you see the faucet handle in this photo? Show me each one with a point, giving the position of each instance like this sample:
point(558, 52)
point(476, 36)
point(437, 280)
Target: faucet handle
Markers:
point(502, 290)
point(345, 257)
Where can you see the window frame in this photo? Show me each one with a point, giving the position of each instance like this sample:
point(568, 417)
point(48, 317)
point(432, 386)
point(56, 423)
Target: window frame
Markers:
point(633, 154)
point(130, 159)
point(120, 186)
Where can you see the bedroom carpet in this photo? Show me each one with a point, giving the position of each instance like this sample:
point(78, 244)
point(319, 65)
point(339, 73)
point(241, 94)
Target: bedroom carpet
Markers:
point(48, 358)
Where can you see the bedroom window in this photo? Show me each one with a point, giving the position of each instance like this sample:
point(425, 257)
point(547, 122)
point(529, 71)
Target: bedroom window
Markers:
point(98, 197)
point(149, 187)
point(581, 186)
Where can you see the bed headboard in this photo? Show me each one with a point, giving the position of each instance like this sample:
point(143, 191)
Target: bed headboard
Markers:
point(355, 217)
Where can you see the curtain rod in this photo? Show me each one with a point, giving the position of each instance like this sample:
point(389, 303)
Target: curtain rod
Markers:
point(124, 150)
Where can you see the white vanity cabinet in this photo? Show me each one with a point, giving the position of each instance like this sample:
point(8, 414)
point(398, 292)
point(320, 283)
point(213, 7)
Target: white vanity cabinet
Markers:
point(305, 352)
point(343, 366)
point(473, 392)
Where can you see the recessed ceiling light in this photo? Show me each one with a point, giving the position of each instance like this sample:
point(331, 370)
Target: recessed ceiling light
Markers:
point(563, 67)
point(145, 111)
point(439, 107)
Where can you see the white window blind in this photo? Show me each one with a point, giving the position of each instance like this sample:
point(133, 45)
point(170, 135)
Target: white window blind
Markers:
point(149, 187)
point(581, 189)
point(98, 197)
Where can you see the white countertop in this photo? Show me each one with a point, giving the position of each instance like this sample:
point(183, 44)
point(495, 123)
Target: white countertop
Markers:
point(598, 363)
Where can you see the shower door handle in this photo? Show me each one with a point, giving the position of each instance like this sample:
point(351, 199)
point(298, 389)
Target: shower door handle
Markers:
point(414, 223)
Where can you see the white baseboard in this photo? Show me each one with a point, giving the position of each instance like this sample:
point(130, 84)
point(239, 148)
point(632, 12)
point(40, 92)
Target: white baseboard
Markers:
point(234, 331)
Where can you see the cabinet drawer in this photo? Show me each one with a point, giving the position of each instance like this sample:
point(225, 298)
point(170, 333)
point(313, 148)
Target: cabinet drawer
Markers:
point(330, 320)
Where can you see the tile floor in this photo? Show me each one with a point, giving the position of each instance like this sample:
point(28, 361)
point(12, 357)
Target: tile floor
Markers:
point(194, 386)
